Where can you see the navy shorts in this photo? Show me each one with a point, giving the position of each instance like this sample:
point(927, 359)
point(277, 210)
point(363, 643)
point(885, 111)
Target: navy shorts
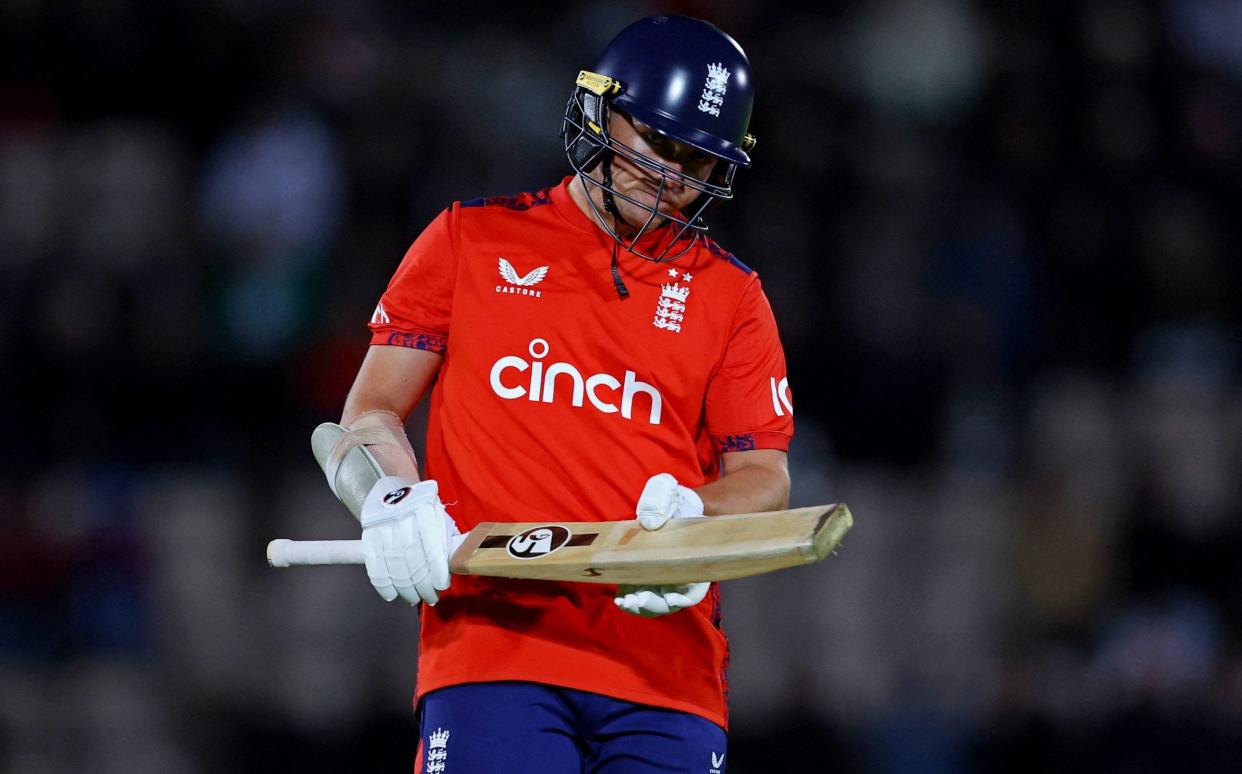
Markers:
point(521, 728)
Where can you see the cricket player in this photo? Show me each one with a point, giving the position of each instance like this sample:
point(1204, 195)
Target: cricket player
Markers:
point(590, 354)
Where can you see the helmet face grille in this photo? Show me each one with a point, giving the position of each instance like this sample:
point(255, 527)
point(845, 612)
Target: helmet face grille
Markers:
point(588, 144)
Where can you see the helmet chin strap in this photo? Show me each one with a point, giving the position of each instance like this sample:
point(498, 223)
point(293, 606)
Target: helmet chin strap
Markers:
point(610, 206)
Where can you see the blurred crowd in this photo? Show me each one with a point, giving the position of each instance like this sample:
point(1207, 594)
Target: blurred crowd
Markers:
point(1002, 243)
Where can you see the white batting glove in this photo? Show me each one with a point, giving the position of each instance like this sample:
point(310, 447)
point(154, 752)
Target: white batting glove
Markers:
point(406, 536)
point(663, 499)
point(650, 601)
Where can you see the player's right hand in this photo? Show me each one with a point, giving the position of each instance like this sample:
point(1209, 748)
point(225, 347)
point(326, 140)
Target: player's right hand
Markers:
point(406, 534)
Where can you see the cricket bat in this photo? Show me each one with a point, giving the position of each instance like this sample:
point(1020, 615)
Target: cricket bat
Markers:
point(715, 548)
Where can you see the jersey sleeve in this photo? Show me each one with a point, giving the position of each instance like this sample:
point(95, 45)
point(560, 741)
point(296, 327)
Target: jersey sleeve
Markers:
point(416, 309)
point(749, 405)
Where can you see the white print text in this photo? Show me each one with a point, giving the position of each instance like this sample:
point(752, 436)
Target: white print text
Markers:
point(597, 388)
point(518, 291)
point(781, 396)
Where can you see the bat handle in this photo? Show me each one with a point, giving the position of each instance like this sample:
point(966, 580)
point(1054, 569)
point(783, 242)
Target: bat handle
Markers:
point(293, 553)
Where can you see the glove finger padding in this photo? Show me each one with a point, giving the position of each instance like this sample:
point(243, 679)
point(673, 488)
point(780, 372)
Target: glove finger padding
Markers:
point(651, 601)
point(430, 554)
point(433, 531)
point(646, 603)
point(377, 567)
point(425, 591)
point(691, 594)
point(406, 564)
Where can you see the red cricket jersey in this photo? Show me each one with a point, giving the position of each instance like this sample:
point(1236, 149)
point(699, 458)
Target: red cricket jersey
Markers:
point(557, 400)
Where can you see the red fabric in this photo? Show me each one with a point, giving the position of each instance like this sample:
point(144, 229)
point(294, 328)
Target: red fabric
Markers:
point(546, 408)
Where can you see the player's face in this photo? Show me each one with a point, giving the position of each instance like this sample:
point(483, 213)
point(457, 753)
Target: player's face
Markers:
point(643, 184)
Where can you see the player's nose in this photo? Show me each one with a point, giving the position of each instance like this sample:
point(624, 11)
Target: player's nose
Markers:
point(673, 182)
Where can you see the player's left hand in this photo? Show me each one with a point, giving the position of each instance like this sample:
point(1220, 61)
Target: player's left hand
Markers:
point(663, 499)
point(650, 601)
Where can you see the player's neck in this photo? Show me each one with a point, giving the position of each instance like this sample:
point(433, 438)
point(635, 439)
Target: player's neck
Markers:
point(595, 211)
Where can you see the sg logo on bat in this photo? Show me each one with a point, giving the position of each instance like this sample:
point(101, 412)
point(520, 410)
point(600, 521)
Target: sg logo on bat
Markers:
point(538, 541)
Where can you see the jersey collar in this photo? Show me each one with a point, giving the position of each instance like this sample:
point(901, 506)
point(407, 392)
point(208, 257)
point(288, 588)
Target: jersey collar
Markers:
point(569, 211)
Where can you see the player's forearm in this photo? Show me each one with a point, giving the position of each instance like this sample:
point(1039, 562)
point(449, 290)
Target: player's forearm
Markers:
point(748, 488)
point(364, 409)
point(389, 383)
point(390, 379)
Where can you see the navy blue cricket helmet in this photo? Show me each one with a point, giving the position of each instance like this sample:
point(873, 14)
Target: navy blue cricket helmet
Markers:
point(687, 80)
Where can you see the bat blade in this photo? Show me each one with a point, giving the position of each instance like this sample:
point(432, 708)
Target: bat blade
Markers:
point(682, 551)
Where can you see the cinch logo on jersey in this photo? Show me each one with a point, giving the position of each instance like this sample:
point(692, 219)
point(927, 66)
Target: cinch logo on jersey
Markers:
point(520, 285)
point(537, 541)
point(781, 396)
point(596, 388)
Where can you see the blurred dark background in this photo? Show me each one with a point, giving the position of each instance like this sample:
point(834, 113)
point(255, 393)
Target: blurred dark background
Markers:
point(1002, 242)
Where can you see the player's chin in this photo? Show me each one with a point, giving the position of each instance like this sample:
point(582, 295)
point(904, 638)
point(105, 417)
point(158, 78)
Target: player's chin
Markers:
point(664, 207)
point(644, 198)
point(651, 221)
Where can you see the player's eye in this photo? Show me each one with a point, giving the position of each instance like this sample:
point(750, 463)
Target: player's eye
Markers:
point(660, 144)
point(699, 158)
point(676, 151)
